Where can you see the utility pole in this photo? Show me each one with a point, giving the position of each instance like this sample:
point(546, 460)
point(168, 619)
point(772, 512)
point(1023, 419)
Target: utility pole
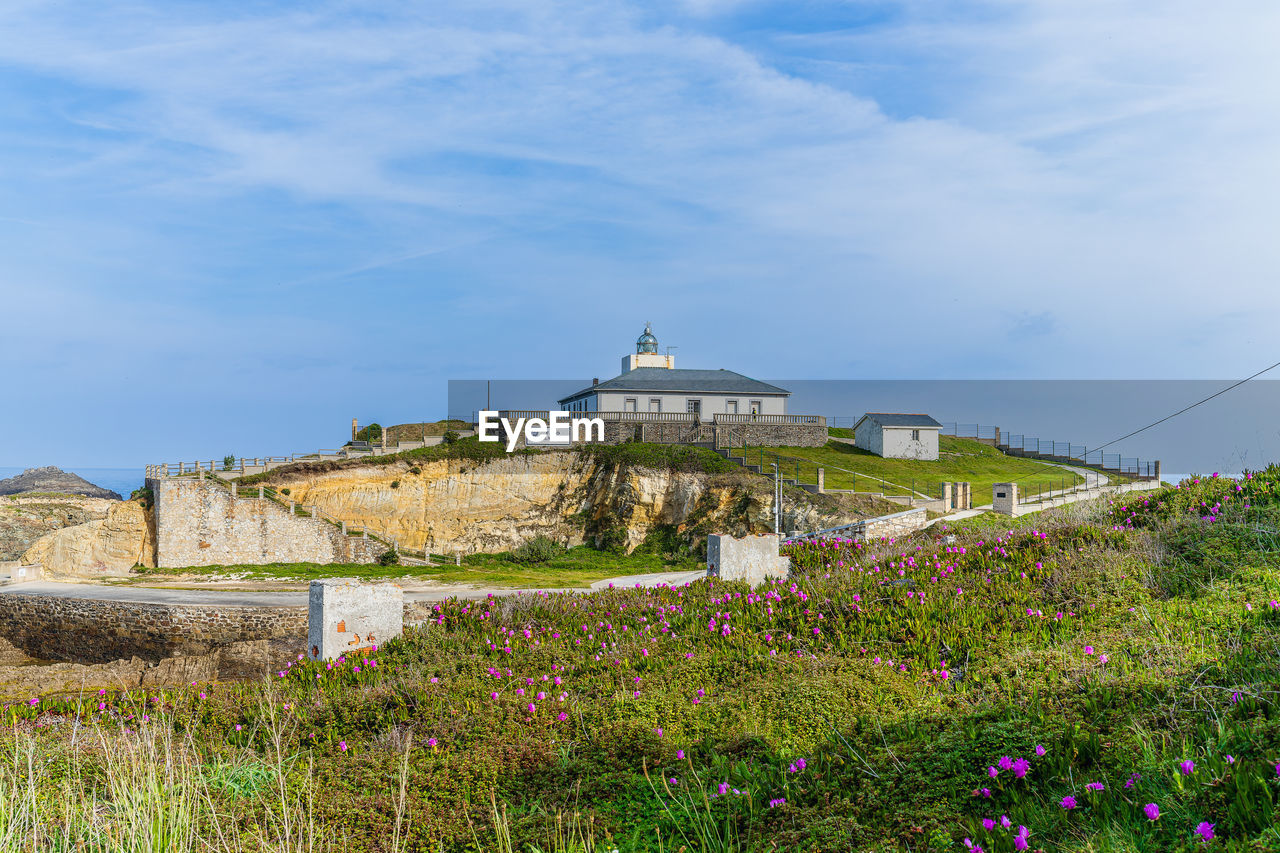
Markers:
point(777, 501)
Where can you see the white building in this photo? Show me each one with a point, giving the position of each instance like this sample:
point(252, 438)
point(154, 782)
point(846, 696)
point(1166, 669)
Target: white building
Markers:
point(650, 382)
point(898, 436)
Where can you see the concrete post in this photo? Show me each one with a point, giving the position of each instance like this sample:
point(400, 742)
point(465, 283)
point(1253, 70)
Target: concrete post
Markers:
point(1157, 463)
point(182, 468)
point(968, 495)
point(290, 507)
point(346, 617)
point(946, 497)
point(822, 481)
point(262, 492)
point(355, 428)
point(753, 559)
point(235, 490)
point(344, 528)
point(1004, 498)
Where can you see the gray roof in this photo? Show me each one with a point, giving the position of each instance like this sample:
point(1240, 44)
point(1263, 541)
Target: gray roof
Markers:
point(670, 380)
point(897, 419)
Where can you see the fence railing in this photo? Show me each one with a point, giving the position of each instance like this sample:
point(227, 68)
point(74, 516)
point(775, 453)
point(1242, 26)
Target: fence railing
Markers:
point(812, 420)
point(1016, 444)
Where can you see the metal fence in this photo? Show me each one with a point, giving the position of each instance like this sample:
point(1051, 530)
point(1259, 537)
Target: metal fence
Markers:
point(1016, 444)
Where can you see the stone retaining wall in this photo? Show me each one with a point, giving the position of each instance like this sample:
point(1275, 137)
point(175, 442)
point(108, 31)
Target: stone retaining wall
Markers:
point(199, 523)
point(90, 631)
point(898, 524)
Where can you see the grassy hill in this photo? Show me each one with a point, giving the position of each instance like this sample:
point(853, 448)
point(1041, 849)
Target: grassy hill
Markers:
point(1102, 678)
point(960, 459)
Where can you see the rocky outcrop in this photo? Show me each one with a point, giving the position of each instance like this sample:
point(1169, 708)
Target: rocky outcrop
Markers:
point(51, 479)
point(25, 518)
point(469, 506)
point(109, 546)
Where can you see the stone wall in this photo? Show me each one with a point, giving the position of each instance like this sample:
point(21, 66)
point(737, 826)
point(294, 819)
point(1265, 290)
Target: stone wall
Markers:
point(897, 524)
point(199, 523)
point(753, 559)
point(92, 631)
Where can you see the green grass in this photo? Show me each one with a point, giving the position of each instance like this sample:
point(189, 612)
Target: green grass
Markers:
point(579, 566)
point(959, 460)
point(864, 705)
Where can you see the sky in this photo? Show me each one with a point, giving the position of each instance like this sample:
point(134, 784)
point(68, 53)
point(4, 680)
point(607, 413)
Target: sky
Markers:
point(232, 227)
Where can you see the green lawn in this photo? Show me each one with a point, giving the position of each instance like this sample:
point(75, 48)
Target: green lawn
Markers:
point(960, 459)
point(576, 567)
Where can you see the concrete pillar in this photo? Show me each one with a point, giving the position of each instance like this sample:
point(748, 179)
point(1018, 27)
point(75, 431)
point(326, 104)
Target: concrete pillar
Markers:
point(290, 507)
point(968, 495)
point(235, 489)
point(346, 617)
point(182, 468)
point(355, 428)
point(822, 481)
point(1004, 498)
point(946, 497)
point(344, 528)
point(262, 492)
point(1157, 472)
point(754, 559)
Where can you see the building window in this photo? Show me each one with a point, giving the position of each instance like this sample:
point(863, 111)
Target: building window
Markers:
point(755, 407)
point(915, 435)
point(629, 404)
point(655, 404)
point(693, 407)
point(731, 407)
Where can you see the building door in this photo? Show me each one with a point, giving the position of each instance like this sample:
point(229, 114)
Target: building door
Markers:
point(755, 407)
point(731, 407)
point(694, 407)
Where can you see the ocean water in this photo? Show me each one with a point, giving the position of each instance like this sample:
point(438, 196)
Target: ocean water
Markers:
point(119, 480)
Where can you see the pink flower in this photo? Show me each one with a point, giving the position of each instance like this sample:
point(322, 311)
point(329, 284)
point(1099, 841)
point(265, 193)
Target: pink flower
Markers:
point(1152, 811)
point(1068, 802)
point(342, 745)
point(1039, 750)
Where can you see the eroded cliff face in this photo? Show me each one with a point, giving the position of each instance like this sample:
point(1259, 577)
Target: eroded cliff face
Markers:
point(467, 506)
point(103, 547)
point(25, 518)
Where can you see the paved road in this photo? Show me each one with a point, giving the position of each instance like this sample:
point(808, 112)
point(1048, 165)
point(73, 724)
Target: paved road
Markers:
point(298, 598)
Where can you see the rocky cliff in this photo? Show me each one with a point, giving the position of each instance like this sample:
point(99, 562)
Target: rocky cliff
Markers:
point(112, 545)
point(51, 479)
point(25, 518)
point(459, 504)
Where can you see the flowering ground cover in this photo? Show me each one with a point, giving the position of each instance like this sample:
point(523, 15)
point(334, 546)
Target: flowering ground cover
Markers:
point(1100, 679)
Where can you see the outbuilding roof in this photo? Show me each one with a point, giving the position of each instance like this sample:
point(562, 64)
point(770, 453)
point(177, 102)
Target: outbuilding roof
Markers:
point(671, 380)
point(899, 419)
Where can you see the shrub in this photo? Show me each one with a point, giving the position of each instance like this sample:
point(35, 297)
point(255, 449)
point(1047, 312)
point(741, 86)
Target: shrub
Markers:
point(450, 437)
point(395, 484)
point(285, 491)
point(389, 557)
point(228, 462)
point(373, 432)
point(539, 549)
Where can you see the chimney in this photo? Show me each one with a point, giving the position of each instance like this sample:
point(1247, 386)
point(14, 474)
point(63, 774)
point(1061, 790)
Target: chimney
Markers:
point(595, 380)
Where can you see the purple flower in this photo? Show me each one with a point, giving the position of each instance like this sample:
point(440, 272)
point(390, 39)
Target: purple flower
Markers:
point(992, 772)
point(1187, 767)
point(1039, 750)
point(988, 824)
point(1094, 786)
point(1019, 842)
point(1152, 811)
point(1005, 822)
point(1068, 802)
point(1204, 829)
point(1005, 763)
point(1020, 767)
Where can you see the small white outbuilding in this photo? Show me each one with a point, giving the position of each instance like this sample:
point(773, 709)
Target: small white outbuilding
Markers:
point(898, 436)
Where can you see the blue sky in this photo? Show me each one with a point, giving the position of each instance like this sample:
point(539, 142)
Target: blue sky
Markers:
point(232, 227)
